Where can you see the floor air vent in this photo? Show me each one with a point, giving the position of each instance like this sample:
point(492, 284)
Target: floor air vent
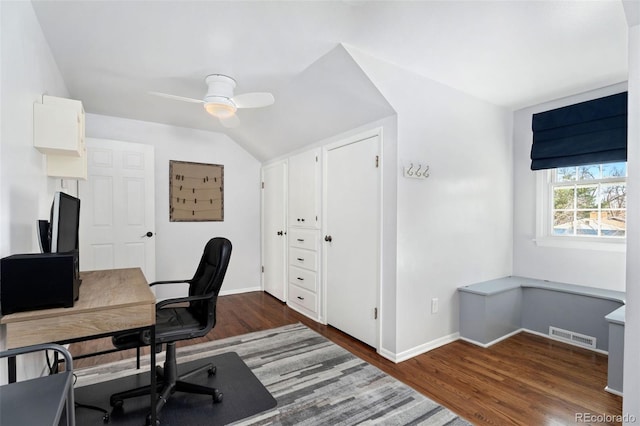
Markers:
point(573, 337)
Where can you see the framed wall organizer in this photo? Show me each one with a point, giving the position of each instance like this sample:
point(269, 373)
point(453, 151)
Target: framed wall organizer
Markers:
point(196, 192)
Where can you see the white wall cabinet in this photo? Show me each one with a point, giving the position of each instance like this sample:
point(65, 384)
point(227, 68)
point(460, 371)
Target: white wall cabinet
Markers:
point(59, 132)
point(304, 189)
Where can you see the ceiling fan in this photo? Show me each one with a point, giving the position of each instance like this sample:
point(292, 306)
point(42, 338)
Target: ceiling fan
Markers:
point(220, 102)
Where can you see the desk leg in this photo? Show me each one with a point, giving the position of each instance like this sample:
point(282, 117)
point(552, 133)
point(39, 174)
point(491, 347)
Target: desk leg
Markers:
point(152, 361)
point(11, 365)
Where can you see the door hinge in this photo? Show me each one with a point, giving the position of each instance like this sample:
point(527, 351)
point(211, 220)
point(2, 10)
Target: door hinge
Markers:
point(377, 161)
point(262, 185)
point(263, 269)
point(375, 313)
point(316, 158)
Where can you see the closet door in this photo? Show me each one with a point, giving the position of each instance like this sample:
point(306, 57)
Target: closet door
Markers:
point(274, 227)
point(351, 240)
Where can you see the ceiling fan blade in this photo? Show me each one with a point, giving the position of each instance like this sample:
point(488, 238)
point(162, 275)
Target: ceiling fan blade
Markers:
point(253, 100)
point(177, 98)
point(230, 121)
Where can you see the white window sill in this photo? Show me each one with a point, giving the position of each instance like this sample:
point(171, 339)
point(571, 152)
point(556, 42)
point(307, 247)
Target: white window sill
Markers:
point(587, 243)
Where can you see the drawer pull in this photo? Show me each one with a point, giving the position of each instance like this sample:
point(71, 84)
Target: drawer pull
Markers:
point(300, 297)
point(301, 240)
point(300, 279)
point(300, 259)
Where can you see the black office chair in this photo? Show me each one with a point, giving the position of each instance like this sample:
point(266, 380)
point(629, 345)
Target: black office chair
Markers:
point(174, 323)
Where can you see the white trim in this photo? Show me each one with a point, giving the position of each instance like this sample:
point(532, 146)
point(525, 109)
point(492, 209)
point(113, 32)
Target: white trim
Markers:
point(537, 333)
point(493, 342)
point(307, 314)
point(425, 347)
point(239, 291)
point(613, 391)
point(385, 353)
point(526, 330)
point(581, 243)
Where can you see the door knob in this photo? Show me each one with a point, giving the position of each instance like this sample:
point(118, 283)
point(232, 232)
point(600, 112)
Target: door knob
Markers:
point(279, 232)
point(328, 238)
point(148, 234)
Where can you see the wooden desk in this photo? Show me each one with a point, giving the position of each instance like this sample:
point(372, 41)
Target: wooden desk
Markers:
point(109, 301)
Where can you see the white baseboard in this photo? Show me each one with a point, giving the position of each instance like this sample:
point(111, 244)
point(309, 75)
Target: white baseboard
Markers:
point(493, 342)
point(613, 391)
point(537, 333)
point(391, 356)
point(239, 290)
point(418, 350)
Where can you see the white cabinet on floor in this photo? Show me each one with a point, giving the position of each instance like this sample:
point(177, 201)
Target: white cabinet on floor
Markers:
point(303, 271)
point(304, 233)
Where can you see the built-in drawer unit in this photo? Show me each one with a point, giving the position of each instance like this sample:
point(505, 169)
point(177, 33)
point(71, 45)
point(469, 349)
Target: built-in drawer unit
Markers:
point(303, 278)
point(303, 271)
point(303, 258)
point(303, 238)
point(303, 299)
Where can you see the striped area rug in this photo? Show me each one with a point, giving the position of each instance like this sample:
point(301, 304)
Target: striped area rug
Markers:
point(315, 381)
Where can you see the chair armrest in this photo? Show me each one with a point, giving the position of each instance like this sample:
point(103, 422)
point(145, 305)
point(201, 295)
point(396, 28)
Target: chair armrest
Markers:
point(169, 282)
point(42, 347)
point(166, 302)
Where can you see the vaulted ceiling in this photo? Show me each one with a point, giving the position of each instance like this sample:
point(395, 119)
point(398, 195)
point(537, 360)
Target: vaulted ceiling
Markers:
point(510, 53)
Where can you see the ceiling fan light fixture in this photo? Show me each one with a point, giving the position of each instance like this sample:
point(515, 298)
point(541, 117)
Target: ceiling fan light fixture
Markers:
point(220, 107)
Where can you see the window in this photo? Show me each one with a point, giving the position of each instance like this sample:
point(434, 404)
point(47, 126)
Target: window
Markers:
point(580, 154)
point(589, 200)
point(585, 203)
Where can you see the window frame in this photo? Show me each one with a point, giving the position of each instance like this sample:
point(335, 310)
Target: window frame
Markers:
point(544, 207)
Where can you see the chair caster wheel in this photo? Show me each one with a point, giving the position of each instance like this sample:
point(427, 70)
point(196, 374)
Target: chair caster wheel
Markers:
point(149, 421)
point(212, 371)
point(105, 418)
point(217, 398)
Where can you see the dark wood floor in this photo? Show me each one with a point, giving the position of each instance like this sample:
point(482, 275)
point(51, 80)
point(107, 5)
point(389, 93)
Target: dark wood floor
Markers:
point(524, 380)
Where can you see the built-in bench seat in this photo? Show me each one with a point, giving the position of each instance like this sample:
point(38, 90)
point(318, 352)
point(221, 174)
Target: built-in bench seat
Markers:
point(493, 310)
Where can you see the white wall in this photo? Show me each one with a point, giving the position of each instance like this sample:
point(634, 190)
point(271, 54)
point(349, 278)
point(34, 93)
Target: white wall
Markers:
point(595, 268)
point(455, 228)
point(179, 244)
point(28, 71)
point(631, 402)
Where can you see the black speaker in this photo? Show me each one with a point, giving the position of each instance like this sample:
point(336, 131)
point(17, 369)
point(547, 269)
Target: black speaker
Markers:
point(38, 281)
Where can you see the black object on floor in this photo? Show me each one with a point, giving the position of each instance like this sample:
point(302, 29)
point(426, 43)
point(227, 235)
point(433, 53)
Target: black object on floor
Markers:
point(244, 396)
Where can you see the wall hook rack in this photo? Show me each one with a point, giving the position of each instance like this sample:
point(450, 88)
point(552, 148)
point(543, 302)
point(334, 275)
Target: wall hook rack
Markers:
point(416, 171)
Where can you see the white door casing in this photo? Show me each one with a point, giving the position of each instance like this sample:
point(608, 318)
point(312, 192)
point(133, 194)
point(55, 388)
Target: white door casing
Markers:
point(117, 207)
point(274, 229)
point(352, 224)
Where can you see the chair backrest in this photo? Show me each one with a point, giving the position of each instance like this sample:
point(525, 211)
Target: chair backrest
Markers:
point(208, 279)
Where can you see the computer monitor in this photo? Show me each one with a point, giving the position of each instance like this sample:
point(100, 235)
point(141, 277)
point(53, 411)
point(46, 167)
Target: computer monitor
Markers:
point(65, 223)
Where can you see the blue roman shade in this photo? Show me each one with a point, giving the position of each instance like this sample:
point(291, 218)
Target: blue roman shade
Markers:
point(590, 132)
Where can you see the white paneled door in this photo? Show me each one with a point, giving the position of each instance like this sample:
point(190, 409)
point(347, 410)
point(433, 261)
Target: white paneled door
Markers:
point(274, 229)
point(351, 240)
point(117, 222)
